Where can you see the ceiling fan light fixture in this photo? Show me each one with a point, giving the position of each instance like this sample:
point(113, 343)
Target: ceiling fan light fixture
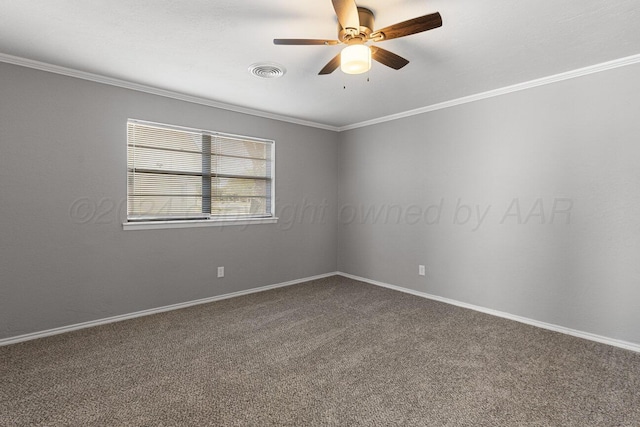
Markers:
point(356, 28)
point(355, 59)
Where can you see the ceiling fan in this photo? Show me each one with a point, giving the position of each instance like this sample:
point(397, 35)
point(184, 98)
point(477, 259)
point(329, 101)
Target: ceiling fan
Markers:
point(355, 28)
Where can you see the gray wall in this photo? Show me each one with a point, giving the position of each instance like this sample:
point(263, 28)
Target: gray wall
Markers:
point(63, 142)
point(425, 181)
point(575, 144)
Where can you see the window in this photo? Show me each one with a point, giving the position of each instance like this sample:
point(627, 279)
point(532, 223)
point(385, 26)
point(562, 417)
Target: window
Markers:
point(181, 174)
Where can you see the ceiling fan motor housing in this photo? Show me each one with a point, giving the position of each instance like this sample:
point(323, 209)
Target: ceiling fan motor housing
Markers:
point(366, 28)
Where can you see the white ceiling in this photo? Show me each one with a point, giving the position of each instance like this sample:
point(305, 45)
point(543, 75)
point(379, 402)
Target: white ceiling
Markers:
point(204, 47)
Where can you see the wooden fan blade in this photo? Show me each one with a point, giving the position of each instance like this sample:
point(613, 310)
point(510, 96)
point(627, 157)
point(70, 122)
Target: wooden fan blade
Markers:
point(347, 13)
point(412, 26)
point(387, 58)
point(331, 65)
point(305, 42)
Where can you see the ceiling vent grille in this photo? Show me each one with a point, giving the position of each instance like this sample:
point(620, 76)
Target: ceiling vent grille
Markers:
point(267, 70)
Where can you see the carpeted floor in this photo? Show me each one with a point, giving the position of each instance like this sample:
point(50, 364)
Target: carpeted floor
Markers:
point(332, 352)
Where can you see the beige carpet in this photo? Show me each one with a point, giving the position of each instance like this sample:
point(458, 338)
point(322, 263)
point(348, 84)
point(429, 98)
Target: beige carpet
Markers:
point(332, 352)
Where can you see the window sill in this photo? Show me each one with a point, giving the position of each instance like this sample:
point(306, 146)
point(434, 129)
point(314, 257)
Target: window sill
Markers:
point(153, 225)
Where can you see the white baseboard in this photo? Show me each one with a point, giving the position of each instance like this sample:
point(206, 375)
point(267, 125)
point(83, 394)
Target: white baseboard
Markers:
point(89, 324)
point(573, 332)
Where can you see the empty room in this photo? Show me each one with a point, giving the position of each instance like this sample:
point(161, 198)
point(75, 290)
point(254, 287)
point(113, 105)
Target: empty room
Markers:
point(327, 213)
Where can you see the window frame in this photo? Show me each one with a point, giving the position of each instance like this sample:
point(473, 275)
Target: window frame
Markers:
point(216, 221)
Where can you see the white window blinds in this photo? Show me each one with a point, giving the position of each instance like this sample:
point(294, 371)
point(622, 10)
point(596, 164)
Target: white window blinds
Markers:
point(178, 173)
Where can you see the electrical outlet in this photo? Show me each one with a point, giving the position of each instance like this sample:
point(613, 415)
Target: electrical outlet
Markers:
point(220, 272)
point(422, 270)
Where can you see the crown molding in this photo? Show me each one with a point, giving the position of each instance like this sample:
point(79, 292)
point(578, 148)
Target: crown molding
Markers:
point(97, 78)
point(592, 69)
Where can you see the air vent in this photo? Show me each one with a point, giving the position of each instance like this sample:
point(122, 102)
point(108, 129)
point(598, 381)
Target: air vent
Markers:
point(267, 70)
